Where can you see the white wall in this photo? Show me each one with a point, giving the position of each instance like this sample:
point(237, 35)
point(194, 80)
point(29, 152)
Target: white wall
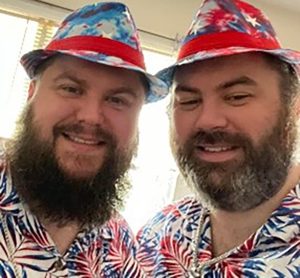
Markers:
point(286, 21)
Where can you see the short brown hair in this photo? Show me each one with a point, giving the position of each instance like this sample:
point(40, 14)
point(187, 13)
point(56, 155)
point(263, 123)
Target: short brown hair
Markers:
point(289, 79)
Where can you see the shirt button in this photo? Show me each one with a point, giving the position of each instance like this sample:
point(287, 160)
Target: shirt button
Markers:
point(59, 264)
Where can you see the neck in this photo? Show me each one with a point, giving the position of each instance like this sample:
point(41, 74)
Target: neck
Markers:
point(62, 236)
point(231, 229)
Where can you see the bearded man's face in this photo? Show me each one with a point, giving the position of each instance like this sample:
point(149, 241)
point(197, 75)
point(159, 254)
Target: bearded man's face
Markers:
point(75, 140)
point(231, 134)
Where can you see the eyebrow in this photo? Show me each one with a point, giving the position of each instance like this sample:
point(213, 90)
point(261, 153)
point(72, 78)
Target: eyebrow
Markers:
point(124, 90)
point(242, 80)
point(186, 88)
point(119, 90)
point(70, 76)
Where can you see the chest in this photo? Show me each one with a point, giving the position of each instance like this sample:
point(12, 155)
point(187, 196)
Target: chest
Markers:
point(26, 249)
point(262, 255)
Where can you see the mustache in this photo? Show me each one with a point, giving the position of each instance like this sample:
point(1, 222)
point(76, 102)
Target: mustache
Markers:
point(95, 131)
point(213, 137)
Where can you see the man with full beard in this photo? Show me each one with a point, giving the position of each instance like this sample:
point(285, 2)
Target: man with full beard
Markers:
point(233, 113)
point(65, 173)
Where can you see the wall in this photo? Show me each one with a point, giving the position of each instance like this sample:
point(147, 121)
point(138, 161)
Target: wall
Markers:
point(285, 21)
point(168, 20)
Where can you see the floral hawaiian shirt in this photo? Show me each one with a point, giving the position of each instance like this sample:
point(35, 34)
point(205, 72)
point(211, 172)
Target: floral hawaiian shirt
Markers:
point(272, 251)
point(26, 249)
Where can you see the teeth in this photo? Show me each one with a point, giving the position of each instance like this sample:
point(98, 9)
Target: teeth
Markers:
point(83, 141)
point(216, 149)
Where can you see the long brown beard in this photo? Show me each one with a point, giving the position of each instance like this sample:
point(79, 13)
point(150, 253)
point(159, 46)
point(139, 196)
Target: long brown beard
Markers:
point(55, 196)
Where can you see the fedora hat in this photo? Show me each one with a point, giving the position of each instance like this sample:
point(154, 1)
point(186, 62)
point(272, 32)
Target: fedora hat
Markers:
point(103, 33)
point(227, 27)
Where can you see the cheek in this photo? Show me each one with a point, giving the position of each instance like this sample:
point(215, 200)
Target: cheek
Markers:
point(181, 127)
point(47, 116)
point(124, 128)
point(255, 126)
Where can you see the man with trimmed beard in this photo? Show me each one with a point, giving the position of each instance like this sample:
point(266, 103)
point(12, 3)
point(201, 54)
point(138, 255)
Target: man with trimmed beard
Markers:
point(233, 113)
point(65, 173)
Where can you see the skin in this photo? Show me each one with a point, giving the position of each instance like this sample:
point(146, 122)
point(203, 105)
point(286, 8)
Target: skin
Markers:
point(236, 94)
point(223, 94)
point(72, 90)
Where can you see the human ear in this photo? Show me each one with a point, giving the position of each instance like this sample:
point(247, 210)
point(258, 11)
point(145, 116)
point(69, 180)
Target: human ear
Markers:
point(31, 89)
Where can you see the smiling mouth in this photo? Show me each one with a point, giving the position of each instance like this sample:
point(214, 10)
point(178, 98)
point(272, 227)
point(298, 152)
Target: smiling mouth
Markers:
point(220, 149)
point(84, 140)
point(217, 153)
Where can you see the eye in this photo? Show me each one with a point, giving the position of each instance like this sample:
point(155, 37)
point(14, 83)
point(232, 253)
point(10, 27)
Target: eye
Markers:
point(118, 101)
point(188, 103)
point(238, 99)
point(71, 89)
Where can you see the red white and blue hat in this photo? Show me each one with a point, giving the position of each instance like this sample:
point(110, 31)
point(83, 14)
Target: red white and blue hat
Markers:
point(227, 27)
point(102, 33)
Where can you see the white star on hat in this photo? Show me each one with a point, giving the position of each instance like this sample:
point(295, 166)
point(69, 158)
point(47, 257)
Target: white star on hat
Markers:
point(127, 14)
point(108, 29)
point(196, 27)
point(251, 20)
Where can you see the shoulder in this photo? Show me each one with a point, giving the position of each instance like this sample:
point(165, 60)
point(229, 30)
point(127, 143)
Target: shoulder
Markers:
point(6, 189)
point(178, 215)
point(2, 155)
point(167, 235)
point(117, 224)
point(119, 249)
point(296, 190)
point(117, 233)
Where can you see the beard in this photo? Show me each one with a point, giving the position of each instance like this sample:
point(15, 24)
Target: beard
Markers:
point(239, 185)
point(56, 196)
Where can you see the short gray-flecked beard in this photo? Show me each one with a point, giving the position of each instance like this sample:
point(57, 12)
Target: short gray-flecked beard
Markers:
point(239, 185)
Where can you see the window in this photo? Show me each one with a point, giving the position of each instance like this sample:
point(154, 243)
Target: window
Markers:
point(153, 178)
point(155, 175)
point(22, 36)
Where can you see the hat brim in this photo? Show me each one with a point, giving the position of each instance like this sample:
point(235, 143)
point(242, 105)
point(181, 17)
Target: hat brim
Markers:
point(290, 56)
point(31, 60)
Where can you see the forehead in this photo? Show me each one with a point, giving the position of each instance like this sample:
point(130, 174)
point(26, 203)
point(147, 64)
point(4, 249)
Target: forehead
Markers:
point(222, 67)
point(87, 69)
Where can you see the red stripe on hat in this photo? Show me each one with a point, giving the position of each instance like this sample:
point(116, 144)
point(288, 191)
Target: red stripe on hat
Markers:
point(101, 45)
point(225, 40)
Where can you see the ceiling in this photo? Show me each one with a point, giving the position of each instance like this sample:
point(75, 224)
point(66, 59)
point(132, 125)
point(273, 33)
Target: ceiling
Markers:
point(171, 18)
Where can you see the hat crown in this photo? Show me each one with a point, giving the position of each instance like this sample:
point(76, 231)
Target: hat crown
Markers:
point(111, 20)
point(233, 18)
point(103, 33)
point(228, 27)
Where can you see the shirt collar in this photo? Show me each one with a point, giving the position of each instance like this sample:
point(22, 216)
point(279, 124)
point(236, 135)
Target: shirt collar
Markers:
point(9, 199)
point(10, 203)
point(284, 221)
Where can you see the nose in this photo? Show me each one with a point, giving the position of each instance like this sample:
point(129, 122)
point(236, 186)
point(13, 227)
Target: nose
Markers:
point(91, 111)
point(211, 116)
